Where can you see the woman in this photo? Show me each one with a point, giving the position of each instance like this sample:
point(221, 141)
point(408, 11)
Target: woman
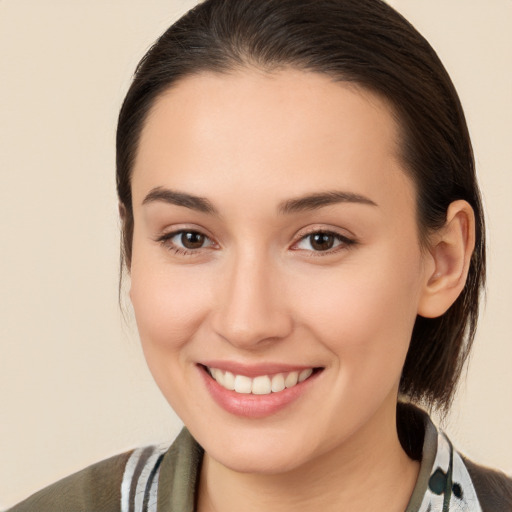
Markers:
point(305, 242)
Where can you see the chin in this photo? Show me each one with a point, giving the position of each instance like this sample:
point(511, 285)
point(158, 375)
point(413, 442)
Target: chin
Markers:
point(259, 462)
point(259, 451)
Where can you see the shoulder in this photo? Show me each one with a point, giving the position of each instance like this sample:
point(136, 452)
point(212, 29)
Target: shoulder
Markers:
point(493, 487)
point(96, 487)
point(134, 481)
point(446, 476)
point(100, 487)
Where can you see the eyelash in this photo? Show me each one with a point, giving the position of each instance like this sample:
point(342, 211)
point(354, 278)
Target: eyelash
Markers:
point(166, 238)
point(344, 242)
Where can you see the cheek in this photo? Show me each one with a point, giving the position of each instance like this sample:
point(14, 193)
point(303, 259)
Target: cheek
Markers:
point(169, 303)
point(169, 308)
point(365, 313)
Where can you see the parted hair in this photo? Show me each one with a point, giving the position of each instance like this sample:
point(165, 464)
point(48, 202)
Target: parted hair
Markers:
point(369, 44)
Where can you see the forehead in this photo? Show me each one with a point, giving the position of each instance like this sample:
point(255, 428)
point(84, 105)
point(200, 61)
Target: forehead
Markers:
point(289, 127)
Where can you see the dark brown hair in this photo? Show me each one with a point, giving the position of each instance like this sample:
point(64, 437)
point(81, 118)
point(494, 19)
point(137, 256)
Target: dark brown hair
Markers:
point(367, 43)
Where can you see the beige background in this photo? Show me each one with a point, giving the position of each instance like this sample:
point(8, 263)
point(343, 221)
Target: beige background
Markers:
point(73, 385)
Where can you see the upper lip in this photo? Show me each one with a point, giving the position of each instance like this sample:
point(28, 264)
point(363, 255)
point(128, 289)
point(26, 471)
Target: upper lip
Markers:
point(255, 370)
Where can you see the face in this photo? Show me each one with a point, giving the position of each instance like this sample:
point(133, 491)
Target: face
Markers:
point(276, 252)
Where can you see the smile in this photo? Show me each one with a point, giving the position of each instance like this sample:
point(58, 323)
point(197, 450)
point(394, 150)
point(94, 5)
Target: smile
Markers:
point(257, 390)
point(261, 384)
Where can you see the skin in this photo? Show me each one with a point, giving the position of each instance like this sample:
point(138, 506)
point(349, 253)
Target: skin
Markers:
point(257, 291)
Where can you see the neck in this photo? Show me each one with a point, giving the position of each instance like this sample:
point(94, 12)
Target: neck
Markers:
point(370, 471)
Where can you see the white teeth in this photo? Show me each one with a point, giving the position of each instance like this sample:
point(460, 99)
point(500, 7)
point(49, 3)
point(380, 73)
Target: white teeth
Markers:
point(278, 383)
point(218, 375)
point(304, 374)
point(261, 385)
point(229, 381)
point(291, 379)
point(243, 384)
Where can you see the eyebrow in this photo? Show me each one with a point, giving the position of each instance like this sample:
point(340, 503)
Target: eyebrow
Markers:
point(305, 203)
point(168, 196)
point(320, 200)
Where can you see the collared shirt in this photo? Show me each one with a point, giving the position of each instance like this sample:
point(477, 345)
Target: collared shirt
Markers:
point(164, 479)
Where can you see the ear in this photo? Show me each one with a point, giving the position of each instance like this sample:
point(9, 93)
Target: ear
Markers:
point(450, 254)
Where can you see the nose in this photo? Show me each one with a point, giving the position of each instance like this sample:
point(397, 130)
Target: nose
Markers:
point(252, 310)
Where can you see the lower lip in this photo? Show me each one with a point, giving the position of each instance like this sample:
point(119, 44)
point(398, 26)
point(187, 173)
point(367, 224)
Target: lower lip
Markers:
point(254, 406)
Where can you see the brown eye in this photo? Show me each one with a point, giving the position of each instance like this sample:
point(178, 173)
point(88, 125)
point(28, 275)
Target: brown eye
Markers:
point(186, 242)
point(192, 239)
point(322, 241)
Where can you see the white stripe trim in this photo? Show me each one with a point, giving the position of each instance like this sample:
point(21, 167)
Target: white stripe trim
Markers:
point(144, 477)
point(127, 479)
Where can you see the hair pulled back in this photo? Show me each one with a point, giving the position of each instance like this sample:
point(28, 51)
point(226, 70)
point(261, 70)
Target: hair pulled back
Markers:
point(369, 44)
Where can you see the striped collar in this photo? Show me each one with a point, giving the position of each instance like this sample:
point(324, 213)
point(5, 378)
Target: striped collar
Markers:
point(160, 479)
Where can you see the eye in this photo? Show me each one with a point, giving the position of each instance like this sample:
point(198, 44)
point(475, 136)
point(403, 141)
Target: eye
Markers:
point(185, 241)
point(189, 239)
point(323, 241)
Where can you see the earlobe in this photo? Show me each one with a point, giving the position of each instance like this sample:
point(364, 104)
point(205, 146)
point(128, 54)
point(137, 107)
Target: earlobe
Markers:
point(451, 250)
